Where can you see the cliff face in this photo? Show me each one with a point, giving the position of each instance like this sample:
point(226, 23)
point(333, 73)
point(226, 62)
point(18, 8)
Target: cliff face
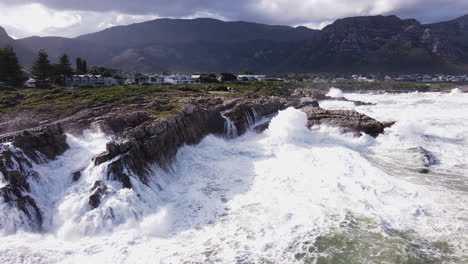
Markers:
point(140, 144)
point(157, 141)
point(387, 43)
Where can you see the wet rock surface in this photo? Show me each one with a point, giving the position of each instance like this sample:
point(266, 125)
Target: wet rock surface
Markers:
point(47, 141)
point(157, 141)
point(142, 142)
point(348, 120)
point(16, 170)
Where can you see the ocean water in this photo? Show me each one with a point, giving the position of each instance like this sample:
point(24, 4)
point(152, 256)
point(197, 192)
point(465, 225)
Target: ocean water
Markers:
point(289, 195)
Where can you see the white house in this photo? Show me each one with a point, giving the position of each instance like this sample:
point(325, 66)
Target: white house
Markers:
point(80, 80)
point(130, 81)
point(178, 79)
point(31, 83)
point(251, 77)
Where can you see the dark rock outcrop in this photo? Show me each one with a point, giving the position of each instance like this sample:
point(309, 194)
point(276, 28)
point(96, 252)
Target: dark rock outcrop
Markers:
point(38, 145)
point(49, 141)
point(312, 94)
point(246, 113)
point(348, 120)
point(99, 190)
point(157, 141)
point(16, 171)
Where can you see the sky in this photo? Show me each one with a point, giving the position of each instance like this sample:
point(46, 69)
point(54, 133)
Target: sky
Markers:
point(71, 18)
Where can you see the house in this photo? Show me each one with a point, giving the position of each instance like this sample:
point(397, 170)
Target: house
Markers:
point(251, 77)
point(31, 83)
point(81, 80)
point(196, 78)
point(388, 79)
point(151, 79)
point(130, 81)
point(178, 79)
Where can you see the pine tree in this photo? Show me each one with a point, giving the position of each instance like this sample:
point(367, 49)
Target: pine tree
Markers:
point(42, 69)
point(10, 69)
point(79, 66)
point(63, 70)
point(84, 67)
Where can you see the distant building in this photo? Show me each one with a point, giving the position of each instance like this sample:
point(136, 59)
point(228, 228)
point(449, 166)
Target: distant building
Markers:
point(130, 81)
point(31, 83)
point(251, 77)
point(196, 77)
point(82, 80)
point(178, 79)
point(388, 79)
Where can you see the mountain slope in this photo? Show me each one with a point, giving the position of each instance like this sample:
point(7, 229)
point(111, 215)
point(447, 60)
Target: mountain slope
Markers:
point(386, 43)
point(25, 55)
point(182, 45)
point(367, 44)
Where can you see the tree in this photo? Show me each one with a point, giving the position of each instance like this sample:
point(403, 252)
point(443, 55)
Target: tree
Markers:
point(10, 69)
point(248, 72)
point(62, 70)
point(42, 69)
point(84, 67)
point(81, 66)
point(228, 77)
point(208, 78)
point(104, 71)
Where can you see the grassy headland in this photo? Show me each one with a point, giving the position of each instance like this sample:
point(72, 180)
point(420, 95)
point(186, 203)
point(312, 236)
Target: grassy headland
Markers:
point(60, 102)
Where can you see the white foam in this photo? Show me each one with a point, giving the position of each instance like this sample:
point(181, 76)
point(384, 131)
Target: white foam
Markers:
point(456, 91)
point(250, 198)
point(335, 92)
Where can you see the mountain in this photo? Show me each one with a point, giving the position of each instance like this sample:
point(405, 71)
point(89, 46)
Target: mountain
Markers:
point(24, 54)
point(386, 44)
point(181, 45)
point(366, 44)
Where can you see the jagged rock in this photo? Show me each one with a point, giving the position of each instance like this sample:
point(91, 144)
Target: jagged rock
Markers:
point(349, 120)
point(313, 94)
point(50, 141)
point(356, 103)
point(16, 169)
point(99, 190)
point(76, 176)
point(157, 141)
point(262, 127)
point(307, 102)
point(14, 196)
point(244, 114)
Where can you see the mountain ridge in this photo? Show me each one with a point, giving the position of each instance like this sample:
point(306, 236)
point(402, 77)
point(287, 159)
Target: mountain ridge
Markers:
point(366, 43)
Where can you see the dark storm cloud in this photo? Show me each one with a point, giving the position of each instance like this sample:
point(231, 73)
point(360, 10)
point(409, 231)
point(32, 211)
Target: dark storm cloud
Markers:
point(97, 14)
point(270, 11)
point(163, 7)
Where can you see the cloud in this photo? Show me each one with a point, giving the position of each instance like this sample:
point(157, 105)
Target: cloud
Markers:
point(74, 17)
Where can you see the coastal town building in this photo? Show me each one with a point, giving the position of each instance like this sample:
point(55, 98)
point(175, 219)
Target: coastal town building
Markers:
point(161, 79)
point(84, 80)
point(178, 79)
point(251, 77)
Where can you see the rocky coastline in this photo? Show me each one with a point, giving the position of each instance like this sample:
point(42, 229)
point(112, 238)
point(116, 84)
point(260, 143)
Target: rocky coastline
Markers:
point(141, 141)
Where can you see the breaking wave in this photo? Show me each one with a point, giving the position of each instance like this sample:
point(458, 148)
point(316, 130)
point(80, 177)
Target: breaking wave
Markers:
point(288, 195)
point(335, 92)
